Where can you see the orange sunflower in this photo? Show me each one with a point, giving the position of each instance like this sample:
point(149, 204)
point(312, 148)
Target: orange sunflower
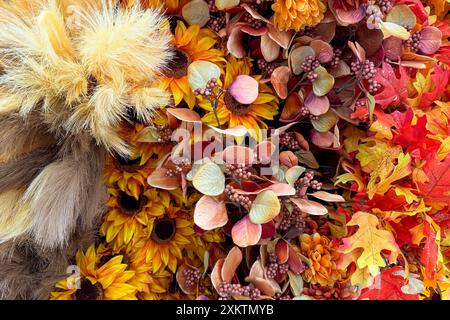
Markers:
point(232, 113)
point(166, 239)
point(125, 221)
point(191, 44)
point(110, 281)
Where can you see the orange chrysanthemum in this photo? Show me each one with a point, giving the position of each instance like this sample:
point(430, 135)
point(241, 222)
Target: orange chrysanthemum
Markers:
point(323, 257)
point(297, 14)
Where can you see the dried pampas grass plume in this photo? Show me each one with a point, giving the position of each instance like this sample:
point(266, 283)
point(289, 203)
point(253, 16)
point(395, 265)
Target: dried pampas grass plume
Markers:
point(88, 72)
point(70, 73)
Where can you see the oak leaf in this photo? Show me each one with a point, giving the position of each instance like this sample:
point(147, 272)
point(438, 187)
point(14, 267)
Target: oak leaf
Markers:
point(388, 285)
point(370, 241)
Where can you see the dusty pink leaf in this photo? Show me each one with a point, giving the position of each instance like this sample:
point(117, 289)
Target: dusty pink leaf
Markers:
point(311, 207)
point(269, 48)
point(282, 250)
point(323, 50)
point(322, 139)
point(246, 233)
point(159, 179)
point(288, 158)
point(231, 263)
point(244, 89)
point(210, 213)
point(185, 114)
point(238, 155)
point(235, 43)
point(326, 196)
point(216, 273)
point(430, 40)
point(279, 79)
point(264, 151)
point(317, 105)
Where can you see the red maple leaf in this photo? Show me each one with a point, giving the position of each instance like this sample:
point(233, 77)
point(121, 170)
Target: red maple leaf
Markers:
point(437, 188)
point(440, 79)
point(388, 286)
point(394, 88)
point(430, 251)
point(414, 137)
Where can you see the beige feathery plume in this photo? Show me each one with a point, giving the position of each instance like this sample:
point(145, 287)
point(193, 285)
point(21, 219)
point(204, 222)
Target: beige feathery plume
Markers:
point(87, 73)
point(66, 192)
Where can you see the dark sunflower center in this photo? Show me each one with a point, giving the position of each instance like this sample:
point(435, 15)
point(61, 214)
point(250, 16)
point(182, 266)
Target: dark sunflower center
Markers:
point(234, 106)
point(178, 65)
point(130, 205)
point(127, 164)
point(163, 230)
point(89, 291)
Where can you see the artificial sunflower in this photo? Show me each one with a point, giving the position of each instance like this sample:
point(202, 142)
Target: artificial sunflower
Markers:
point(149, 285)
point(96, 281)
point(130, 174)
point(191, 44)
point(232, 113)
point(125, 221)
point(166, 239)
point(297, 14)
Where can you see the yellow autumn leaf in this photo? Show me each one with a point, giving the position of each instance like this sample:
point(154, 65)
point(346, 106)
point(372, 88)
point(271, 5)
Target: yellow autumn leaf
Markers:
point(370, 242)
point(381, 183)
point(407, 193)
point(397, 215)
point(444, 149)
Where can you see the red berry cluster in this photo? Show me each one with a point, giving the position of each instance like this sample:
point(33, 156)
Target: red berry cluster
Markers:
point(192, 276)
point(294, 219)
point(266, 67)
point(307, 181)
point(238, 171)
point(242, 200)
point(373, 16)
point(336, 58)
point(182, 165)
point(164, 133)
point(385, 6)
point(226, 290)
point(275, 268)
point(207, 92)
point(309, 66)
point(413, 41)
point(254, 23)
point(288, 139)
point(217, 22)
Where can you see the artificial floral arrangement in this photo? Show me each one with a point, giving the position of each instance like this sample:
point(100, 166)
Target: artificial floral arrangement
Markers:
point(224, 149)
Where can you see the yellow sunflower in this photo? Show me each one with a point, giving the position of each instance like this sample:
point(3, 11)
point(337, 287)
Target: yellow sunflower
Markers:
point(167, 237)
point(130, 174)
point(110, 281)
point(149, 285)
point(232, 113)
point(191, 44)
point(125, 221)
point(297, 14)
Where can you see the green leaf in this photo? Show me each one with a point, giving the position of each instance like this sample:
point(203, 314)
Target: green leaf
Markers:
point(325, 121)
point(370, 105)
